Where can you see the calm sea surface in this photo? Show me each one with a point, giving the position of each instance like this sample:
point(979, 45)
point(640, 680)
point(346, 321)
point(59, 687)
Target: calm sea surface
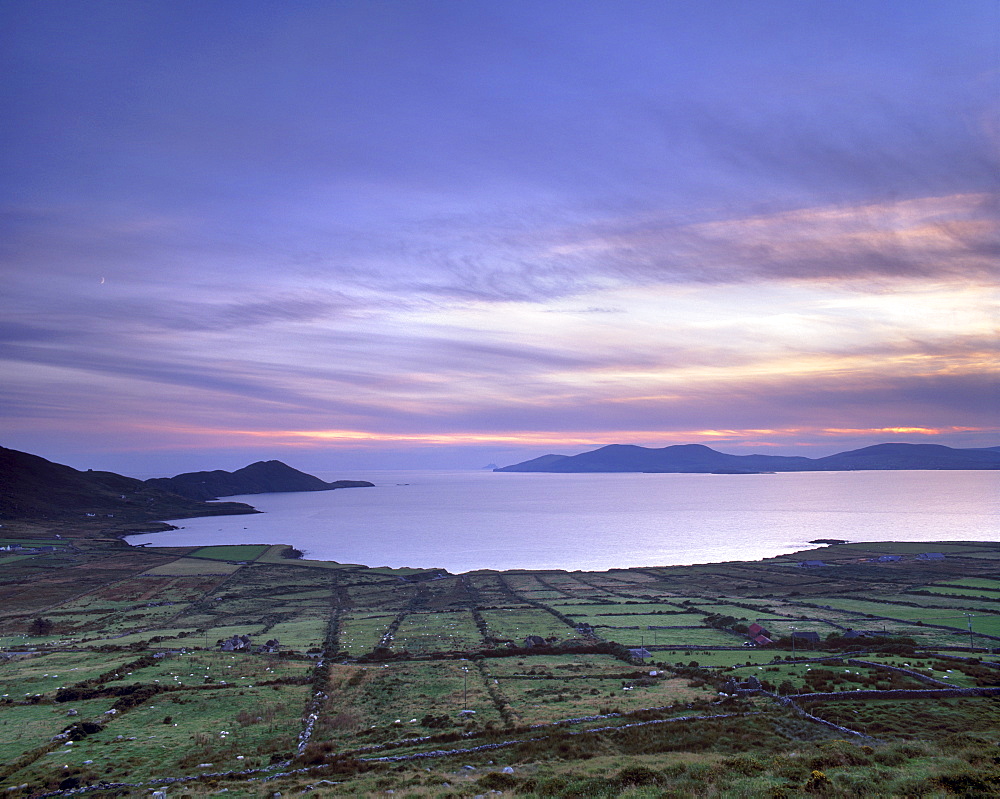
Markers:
point(462, 521)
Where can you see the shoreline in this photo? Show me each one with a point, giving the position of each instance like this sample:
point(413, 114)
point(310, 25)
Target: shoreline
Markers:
point(838, 553)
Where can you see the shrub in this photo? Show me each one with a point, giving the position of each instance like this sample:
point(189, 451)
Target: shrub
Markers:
point(839, 753)
point(315, 753)
point(638, 775)
point(497, 781)
point(970, 781)
point(818, 782)
point(743, 764)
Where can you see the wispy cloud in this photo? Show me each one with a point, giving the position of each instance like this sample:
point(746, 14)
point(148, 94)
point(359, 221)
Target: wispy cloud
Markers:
point(952, 237)
point(570, 225)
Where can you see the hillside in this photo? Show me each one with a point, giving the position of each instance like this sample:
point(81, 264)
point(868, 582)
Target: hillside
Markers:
point(32, 487)
point(263, 477)
point(233, 669)
point(697, 458)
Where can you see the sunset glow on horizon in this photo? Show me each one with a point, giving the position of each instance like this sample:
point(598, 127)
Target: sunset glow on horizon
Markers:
point(448, 234)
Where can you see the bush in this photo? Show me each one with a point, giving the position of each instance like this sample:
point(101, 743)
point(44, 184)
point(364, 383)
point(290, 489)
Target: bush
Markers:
point(743, 764)
point(818, 782)
point(315, 753)
point(970, 781)
point(497, 781)
point(839, 753)
point(638, 775)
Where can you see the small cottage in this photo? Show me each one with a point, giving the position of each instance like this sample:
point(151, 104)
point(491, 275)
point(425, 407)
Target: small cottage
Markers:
point(756, 629)
point(236, 643)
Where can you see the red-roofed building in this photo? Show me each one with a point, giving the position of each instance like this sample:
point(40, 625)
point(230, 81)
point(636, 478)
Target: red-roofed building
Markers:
point(755, 629)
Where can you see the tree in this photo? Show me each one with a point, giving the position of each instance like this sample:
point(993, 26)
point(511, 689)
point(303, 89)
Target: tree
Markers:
point(40, 626)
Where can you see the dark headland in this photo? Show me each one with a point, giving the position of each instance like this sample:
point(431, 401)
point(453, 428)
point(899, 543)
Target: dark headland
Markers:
point(32, 487)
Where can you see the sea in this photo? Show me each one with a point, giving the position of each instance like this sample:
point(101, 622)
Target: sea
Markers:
point(467, 520)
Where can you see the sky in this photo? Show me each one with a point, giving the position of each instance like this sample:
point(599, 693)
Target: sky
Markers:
point(444, 234)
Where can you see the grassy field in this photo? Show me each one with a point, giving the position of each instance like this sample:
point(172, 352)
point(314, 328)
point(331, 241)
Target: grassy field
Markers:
point(237, 552)
point(111, 671)
point(361, 633)
point(437, 632)
point(183, 567)
point(516, 624)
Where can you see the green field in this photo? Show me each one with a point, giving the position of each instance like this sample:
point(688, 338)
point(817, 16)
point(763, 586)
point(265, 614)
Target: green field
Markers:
point(545, 700)
point(971, 582)
point(139, 632)
point(437, 632)
point(361, 633)
point(194, 566)
point(517, 624)
point(237, 552)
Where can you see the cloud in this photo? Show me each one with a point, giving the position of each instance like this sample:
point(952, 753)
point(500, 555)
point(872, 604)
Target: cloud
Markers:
point(951, 237)
point(584, 222)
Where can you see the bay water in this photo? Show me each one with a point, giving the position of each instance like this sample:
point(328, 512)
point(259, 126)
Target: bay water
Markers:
point(462, 521)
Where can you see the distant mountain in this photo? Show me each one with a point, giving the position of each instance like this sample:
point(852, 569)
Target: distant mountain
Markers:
point(32, 488)
point(540, 464)
point(910, 456)
point(697, 458)
point(263, 477)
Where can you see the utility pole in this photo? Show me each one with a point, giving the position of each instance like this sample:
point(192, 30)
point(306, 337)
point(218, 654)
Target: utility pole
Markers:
point(971, 644)
point(465, 687)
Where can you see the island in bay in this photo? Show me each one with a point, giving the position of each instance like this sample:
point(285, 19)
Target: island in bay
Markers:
point(697, 458)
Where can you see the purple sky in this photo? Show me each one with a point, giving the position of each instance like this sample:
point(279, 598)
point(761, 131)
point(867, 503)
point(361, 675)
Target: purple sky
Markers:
point(357, 235)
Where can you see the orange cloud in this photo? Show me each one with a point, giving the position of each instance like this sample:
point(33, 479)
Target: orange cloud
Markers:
point(922, 431)
point(556, 439)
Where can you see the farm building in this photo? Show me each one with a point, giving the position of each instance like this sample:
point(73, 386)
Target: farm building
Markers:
point(756, 629)
point(236, 643)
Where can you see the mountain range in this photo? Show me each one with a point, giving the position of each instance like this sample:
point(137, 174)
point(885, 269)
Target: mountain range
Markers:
point(32, 487)
point(697, 458)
